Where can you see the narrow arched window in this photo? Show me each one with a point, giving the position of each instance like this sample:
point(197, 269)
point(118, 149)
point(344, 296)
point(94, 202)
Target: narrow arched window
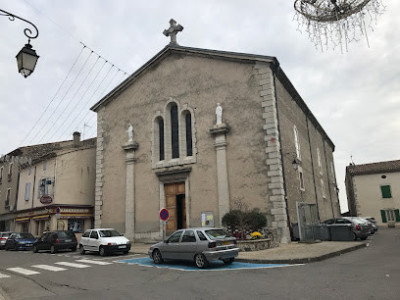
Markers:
point(174, 131)
point(189, 145)
point(297, 142)
point(161, 139)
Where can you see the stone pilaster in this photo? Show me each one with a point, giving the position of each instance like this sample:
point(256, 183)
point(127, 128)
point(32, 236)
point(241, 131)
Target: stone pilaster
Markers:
point(98, 202)
point(276, 190)
point(219, 132)
point(130, 190)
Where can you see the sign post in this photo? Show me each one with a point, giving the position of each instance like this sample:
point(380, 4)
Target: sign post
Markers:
point(58, 215)
point(164, 215)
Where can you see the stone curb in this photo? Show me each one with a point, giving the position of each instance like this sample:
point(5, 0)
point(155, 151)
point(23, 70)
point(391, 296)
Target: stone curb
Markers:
point(301, 260)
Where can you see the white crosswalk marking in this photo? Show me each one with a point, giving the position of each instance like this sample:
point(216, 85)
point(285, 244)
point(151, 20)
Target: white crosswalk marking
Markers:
point(4, 276)
point(23, 271)
point(49, 268)
point(95, 262)
point(73, 265)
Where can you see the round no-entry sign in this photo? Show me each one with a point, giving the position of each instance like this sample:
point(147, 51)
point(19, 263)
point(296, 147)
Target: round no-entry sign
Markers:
point(164, 214)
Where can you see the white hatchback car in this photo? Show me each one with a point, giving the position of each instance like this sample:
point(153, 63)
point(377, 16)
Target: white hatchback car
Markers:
point(104, 240)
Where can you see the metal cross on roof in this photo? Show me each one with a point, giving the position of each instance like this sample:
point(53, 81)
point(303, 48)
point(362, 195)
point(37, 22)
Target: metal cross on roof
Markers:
point(172, 31)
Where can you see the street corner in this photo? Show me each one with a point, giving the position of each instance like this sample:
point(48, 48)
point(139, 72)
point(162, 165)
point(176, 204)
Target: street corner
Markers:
point(213, 266)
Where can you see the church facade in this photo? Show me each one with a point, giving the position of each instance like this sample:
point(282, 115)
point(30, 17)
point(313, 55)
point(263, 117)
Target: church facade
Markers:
point(200, 132)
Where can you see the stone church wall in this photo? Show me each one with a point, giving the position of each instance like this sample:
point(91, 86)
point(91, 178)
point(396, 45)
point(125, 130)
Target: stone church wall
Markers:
point(290, 115)
point(198, 83)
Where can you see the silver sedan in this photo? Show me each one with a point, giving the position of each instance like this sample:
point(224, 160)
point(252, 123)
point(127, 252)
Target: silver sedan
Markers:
point(200, 245)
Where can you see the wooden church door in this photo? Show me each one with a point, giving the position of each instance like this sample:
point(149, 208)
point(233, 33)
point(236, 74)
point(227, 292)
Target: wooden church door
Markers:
point(175, 203)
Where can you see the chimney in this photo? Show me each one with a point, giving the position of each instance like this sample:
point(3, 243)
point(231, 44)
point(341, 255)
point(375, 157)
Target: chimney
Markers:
point(76, 138)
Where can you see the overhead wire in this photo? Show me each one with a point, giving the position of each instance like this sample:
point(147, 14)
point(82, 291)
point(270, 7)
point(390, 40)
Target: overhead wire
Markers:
point(66, 93)
point(60, 121)
point(54, 97)
point(76, 93)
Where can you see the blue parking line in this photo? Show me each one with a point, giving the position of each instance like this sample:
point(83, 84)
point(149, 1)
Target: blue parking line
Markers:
point(188, 266)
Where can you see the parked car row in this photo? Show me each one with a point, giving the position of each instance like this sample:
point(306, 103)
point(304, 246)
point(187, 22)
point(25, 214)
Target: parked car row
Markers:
point(104, 241)
point(361, 227)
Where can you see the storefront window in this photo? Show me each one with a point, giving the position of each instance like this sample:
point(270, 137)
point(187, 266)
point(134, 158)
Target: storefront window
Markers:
point(75, 225)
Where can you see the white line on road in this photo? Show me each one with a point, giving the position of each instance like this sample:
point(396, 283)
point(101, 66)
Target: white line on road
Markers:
point(23, 271)
point(68, 264)
point(49, 268)
point(95, 262)
point(4, 276)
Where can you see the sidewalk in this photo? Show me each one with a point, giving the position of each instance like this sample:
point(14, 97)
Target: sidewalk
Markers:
point(292, 253)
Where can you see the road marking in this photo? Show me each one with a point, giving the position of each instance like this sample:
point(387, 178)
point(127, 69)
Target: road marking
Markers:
point(49, 268)
point(95, 262)
point(23, 271)
point(4, 276)
point(214, 265)
point(68, 264)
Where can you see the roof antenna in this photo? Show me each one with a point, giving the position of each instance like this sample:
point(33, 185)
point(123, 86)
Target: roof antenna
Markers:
point(352, 162)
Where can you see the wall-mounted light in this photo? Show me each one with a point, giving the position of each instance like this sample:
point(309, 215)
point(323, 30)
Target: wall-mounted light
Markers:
point(26, 57)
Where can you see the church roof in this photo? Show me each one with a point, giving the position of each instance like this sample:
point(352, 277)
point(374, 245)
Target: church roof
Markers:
point(373, 168)
point(232, 56)
point(169, 49)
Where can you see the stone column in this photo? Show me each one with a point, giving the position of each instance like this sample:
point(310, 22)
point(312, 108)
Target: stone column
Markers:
point(130, 190)
point(219, 132)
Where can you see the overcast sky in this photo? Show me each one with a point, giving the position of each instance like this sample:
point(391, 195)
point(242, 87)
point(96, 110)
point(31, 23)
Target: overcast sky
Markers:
point(355, 95)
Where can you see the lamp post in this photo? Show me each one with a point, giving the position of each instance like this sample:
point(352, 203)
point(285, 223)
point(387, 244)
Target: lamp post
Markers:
point(26, 57)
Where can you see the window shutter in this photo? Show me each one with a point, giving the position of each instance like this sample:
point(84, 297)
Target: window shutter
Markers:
point(386, 193)
point(397, 214)
point(383, 215)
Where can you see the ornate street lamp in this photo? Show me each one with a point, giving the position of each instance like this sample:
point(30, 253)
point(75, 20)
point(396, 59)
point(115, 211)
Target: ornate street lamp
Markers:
point(26, 57)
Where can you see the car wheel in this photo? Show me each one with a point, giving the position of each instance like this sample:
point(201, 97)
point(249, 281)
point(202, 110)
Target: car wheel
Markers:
point(354, 237)
point(73, 249)
point(6, 248)
point(102, 251)
point(82, 250)
point(35, 249)
point(228, 261)
point(126, 252)
point(200, 261)
point(52, 249)
point(157, 257)
point(364, 238)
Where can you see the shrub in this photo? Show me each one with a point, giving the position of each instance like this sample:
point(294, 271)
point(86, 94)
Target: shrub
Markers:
point(241, 223)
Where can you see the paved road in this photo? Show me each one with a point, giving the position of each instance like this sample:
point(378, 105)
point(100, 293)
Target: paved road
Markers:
point(369, 273)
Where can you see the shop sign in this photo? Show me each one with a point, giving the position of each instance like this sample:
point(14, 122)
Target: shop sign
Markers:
point(46, 199)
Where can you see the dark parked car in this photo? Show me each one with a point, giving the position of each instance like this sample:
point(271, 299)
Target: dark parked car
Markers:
point(55, 240)
point(359, 230)
point(200, 245)
point(19, 241)
point(3, 238)
point(367, 223)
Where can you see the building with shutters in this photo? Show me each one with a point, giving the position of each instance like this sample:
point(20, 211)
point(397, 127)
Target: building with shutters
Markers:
point(373, 191)
point(49, 178)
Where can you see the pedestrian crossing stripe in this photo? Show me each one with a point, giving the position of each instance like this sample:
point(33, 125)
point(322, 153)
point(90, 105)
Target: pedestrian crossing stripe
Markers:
point(95, 262)
point(73, 265)
point(49, 268)
point(4, 276)
point(23, 271)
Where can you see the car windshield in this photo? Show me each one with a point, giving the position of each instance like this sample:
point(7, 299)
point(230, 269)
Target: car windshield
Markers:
point(24, 235)
point(109, 233)
point(214, 234)
point(65, 234)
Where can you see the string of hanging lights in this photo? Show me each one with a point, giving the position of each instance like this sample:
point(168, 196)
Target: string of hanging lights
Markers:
point(333, 23)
